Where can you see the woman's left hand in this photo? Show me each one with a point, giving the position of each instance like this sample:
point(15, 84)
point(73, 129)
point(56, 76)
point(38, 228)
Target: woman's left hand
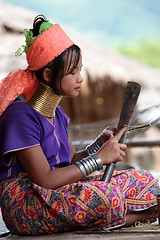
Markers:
point(105, 135)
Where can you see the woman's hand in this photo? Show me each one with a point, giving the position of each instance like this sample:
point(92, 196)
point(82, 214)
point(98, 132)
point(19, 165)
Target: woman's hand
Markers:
point(102, 138)
point(105, 134)
point(112, 151)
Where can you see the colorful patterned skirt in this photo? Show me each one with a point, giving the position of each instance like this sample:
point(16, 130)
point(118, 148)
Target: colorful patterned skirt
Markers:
point(87, 205)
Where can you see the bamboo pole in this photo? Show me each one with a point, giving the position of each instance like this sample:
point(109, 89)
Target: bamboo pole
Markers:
point(136, 142)
point(143, 142)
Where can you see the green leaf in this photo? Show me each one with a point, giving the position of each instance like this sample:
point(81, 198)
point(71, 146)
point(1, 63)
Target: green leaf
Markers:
point(117, 213)
point(109, 190)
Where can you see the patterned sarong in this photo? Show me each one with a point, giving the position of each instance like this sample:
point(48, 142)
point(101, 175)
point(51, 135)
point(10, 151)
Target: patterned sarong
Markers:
point(91, 204)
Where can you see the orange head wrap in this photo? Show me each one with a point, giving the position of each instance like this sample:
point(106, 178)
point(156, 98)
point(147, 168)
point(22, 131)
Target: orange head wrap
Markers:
point(43, 50)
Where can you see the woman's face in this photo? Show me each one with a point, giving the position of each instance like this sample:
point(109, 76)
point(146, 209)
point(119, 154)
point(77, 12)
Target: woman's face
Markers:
point(71, 83)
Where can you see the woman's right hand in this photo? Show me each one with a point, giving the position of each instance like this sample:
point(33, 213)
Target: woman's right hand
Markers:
point(112, 151)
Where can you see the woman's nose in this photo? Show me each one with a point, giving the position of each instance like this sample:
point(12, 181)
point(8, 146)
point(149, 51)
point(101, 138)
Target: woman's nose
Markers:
point(80, 78)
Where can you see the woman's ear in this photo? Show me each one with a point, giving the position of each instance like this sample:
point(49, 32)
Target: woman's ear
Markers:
point(46, 75)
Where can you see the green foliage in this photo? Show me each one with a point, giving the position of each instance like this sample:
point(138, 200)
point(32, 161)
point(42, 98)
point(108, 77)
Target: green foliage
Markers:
point(148, 51)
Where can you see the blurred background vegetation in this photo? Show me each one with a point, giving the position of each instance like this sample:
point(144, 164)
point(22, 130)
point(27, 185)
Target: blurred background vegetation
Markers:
point(128, 26)
point(147, 51)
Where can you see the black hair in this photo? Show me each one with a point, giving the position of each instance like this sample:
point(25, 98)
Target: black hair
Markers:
point(39, 19)
point(60, 66)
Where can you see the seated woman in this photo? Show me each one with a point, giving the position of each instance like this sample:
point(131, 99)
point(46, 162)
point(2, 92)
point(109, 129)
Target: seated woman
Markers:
point(45, 186)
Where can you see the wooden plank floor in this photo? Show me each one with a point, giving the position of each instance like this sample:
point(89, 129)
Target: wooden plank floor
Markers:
point(123, 234)
point(77, 236)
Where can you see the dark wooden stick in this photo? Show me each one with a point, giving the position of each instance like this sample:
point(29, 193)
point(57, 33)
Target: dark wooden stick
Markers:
point(130, 100)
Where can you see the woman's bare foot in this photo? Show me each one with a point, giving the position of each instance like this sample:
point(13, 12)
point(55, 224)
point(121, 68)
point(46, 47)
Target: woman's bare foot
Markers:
point(149, 215)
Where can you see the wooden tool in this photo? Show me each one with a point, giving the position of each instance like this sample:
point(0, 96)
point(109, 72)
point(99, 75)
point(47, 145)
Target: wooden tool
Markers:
point(130, 100)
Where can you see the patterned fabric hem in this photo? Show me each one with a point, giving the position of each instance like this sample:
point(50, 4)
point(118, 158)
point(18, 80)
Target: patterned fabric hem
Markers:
point(30, 209)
